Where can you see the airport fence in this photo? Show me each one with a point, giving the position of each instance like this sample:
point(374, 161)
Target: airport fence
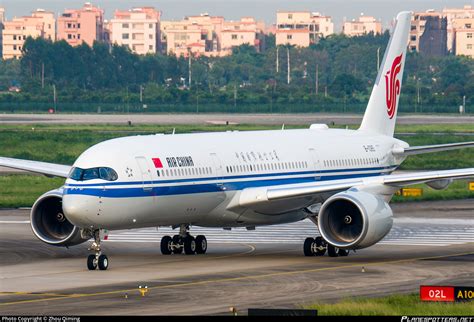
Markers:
point(120, 108)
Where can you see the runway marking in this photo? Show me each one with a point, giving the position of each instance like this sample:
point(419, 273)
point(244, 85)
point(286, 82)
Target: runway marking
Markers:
point(409, 234)
point(14, 222)
point(233, 279)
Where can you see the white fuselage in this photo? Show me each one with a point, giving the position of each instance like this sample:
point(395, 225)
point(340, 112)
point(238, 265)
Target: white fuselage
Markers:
point(168, 180)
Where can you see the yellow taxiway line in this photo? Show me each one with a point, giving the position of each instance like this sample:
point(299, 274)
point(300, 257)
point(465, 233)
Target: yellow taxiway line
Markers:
point(232, 279)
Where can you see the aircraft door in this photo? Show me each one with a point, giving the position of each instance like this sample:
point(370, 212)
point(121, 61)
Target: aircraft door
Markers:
point(217, 169)
point(315, 162)
point(145, 173)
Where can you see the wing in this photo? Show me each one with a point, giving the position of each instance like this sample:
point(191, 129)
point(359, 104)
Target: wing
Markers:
point(49, 169)
point(302, 195)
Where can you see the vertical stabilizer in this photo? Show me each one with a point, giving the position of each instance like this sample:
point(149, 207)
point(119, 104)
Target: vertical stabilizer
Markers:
point(381, 113)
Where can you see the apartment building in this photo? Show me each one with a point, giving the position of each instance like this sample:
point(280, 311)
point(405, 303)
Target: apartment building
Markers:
point(464, 36)
point(138, 28)
point(453, 14)
point(362, 26)
point(2, 20)
point(41, 23)
point(209, 35)
point(85, 25)
point(302, 28)
point(237, 33)
point(418, 23)
point(458, 29)
point(433, 41)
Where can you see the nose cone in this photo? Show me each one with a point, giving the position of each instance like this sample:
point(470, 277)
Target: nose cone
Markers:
point(80, 210)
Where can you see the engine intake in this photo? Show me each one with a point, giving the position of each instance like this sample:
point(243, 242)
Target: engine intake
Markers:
point(354, 219)
point(49, 223)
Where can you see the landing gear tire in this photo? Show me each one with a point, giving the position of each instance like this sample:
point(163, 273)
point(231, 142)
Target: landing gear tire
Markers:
point(98, 259)
point(320, 246)
point(177, 245)
point(343, 252)
point(165, 245)
point(308, 246)
point(91, 262)
point(103, 262)
point(333, 251)
point(201, 244)
point(189, 245)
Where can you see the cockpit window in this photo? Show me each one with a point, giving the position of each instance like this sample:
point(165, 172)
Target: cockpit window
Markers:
point(107, 174)
point(103, 173)
point(90, 174)
point(76, 174)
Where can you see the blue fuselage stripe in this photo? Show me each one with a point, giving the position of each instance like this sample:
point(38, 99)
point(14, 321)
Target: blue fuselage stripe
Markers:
point(156, 188)
point(249, 176)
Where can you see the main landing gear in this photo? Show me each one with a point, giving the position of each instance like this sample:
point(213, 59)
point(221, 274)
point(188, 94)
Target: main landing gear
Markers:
point(98, 259)
point(318, 247)
point(183, 242)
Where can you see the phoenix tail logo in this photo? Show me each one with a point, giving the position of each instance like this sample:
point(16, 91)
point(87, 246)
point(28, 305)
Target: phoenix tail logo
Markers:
point(392, 86)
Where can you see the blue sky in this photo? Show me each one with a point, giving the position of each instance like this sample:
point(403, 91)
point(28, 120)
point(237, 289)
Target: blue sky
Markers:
point(234, 9)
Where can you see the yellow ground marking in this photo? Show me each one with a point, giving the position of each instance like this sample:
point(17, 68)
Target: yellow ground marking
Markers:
point(33, 293)
point(233, 279)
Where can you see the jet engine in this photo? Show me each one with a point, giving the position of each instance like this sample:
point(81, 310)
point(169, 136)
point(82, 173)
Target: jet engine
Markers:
point(354, 219)
point(49, 223)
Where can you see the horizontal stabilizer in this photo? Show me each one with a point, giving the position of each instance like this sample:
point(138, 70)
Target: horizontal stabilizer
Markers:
point(431, 148)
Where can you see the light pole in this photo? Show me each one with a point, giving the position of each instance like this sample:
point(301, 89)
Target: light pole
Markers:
point(317, 79)
point(378, 59)
point(54, 98)
point(288, 78)
point(190, 74)
point(277, 60)
point(418, 93)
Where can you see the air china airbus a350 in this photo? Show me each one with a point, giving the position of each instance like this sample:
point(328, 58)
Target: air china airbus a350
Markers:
point(243, 179)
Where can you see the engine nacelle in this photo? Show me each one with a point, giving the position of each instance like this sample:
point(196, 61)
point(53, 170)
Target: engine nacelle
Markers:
point(354, 219)
point(49, 223)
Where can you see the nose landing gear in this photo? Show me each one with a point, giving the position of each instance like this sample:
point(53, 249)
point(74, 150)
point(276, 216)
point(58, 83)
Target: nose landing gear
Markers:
point(183, 241)
point(98, 259)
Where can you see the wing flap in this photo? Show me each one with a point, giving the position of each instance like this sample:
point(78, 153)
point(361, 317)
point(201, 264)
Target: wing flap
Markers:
point(399, 180)
point(50, 169)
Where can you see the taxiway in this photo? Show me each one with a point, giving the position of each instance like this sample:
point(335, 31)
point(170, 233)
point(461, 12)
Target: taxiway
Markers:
point(430, 243)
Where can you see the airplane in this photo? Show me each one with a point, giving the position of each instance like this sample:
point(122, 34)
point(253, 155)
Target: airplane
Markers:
point(342, 180)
